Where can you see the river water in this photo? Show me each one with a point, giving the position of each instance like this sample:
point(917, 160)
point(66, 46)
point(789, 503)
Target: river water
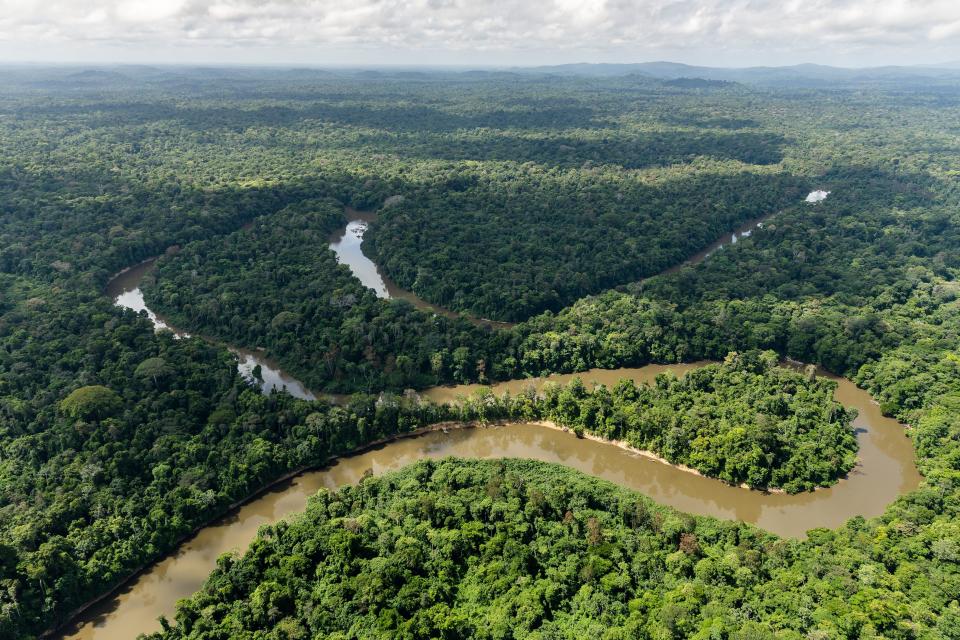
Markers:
point(124, 290)
point(884, 471)
point(885, 467)
point(743, 231)
point(346, 243)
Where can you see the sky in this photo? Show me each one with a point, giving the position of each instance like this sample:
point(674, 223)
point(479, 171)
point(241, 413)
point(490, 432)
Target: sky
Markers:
point(480, 32)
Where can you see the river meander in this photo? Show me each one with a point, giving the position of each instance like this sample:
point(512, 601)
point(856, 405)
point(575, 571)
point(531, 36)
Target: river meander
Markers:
point(885, 470)
point(347, 244)
point(124, 290)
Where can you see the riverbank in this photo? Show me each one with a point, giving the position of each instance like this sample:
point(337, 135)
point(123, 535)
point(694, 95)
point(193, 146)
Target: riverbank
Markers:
point(347, 243)
point(124, 289)
point(226, 511)
point(884, 471)
point(444, 427)
point(650, 455)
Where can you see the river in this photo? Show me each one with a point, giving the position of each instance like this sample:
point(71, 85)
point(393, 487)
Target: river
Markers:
point(124, 290)
point(885, 470)
point(743, 231)
point(346, 243)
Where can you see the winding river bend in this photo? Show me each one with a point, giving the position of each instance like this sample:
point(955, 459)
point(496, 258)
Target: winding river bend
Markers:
point(346, 243)
point(124, 290)
point(885, 470)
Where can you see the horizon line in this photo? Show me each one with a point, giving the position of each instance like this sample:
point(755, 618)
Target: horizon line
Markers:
point(441, 66)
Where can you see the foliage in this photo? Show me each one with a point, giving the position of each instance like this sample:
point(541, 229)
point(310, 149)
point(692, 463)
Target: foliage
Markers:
point(523, 549)
point(91, 402)
point(100, 175)
point(745, 421)
point(163, 436)
point(482, 549)
point(274, 284)
point(538, 239)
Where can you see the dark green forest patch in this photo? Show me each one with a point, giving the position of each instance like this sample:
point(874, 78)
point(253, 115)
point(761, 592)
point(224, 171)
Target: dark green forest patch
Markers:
point(277, 285)
point(509, 245)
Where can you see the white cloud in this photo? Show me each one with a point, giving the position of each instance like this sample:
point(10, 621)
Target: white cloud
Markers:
point(628, 29)
point(148, 11)
point(946, 30)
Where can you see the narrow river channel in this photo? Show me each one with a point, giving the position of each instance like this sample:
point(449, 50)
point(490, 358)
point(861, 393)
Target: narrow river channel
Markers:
point(124, 290)
point(347, 243)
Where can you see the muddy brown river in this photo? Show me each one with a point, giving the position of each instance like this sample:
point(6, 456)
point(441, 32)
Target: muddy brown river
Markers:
point(884, 471)
point(885, 468)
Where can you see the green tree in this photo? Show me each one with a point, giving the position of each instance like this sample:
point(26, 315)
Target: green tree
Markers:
point(94, 402)
point(155, 370)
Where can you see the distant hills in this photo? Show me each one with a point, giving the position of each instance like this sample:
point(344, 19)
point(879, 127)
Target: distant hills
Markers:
point(673, 73)
point(794, 75)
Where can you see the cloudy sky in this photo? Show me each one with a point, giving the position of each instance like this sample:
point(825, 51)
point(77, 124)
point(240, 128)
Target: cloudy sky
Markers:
point(481, 32)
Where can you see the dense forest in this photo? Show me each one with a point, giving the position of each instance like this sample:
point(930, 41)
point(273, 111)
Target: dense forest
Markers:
point(522, 549)
point(494, 549)
point(745, 421)
point(115, 442)
point(118, 442)
point(509, 246)
point(274, 284)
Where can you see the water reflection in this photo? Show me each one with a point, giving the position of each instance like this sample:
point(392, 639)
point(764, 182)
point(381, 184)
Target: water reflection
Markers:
point(346, 244)
point(124, 290)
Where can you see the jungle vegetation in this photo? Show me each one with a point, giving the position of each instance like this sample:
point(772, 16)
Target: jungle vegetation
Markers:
point(116, 441)
point(524, 549)
point(745, 421)
point(275, 284)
